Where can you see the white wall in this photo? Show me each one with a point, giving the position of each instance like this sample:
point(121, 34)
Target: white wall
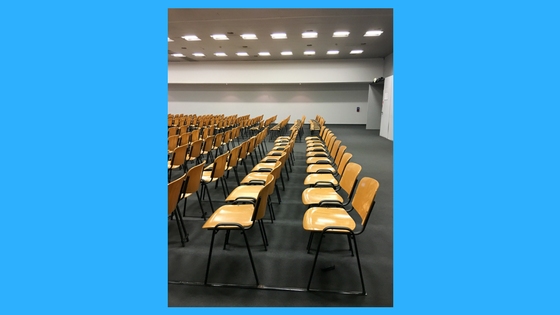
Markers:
point(388, 66)
point(337, 103)
point(295, 71)
point(375, 99)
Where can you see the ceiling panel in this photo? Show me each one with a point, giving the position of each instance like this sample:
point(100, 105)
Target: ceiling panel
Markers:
point(293, 22)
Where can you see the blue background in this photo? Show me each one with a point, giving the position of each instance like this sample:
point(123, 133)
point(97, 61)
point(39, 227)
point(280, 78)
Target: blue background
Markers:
point(476, 161)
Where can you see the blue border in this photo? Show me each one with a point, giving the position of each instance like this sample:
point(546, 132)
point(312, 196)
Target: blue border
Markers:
point(476, 219)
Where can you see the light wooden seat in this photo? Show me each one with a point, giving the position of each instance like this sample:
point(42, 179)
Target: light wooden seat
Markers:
point(192, 184)
point(328, 168)
point(313, 178)
point(178, 160)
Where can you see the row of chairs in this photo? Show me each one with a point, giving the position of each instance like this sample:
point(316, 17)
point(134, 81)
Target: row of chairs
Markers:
point(329, 172)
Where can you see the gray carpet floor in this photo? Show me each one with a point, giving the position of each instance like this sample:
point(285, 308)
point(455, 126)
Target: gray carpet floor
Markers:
point(287, 264)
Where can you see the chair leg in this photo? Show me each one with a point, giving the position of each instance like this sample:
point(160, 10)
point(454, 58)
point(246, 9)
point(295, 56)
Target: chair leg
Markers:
point(282, 178)
point(359, 265)
point(201, 209)
point(277, 193)
point(180, 218)
point(287, 174)
point(350, 244)
point(272, 216)
point(236, 176)
point(185, 207)
point(221, 179)
point(226, 239)
point(315, 261)
point(250, 256)
point(210, 256)
point(262, 234)
point(209, 199)
point(180, 232)
point(309, 242)
point(225, 182)
point(245, 166)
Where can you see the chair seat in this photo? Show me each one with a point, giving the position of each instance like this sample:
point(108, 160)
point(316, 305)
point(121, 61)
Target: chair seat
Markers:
point(240, 214)
point(245, 191)
point(316, 219)
point(312, 179)
point(312, 196)
point(206, 177)
point(255, 176)
point(314, 168)
point(316, 149)
point(169, 166)
point(316, 154)
point(185, 195)
point(315, 160)
point(263, 165)
point(311, 138)
point(270, 159)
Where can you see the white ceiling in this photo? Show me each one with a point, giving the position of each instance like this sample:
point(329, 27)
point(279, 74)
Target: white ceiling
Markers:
point(293, 22)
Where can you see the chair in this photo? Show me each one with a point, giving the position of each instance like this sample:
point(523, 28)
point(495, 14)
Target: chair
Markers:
point(178, 159)
point(325, 168)
point(251, 190)
point(241, 215)
point(214, 173)
point(194, 151)
point(270, 164)
point(251, 148)
point(232, 162)
point(172, 142)
point(192, 184)
point(243, 155)
point(322, 193)
point(313, 179)
point(337, 221)
point(173, 192)
point(207, 147)
point(171, 131)
point(218, 143)
point(185, 138)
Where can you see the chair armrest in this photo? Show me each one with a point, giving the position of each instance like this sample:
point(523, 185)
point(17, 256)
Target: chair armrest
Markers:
point(324, 184)
point(327, 203)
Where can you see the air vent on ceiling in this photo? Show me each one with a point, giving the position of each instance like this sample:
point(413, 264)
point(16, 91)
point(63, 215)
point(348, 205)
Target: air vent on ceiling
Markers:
point(230, 33)
point(245, 46)
point(309, 45)
point(362, 43)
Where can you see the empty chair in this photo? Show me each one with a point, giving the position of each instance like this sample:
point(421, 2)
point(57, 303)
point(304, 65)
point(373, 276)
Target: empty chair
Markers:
point(328, 168)
point(171, 131)
point(215, 173)
point(194, 151)
point(251, 190)
point(233, 160)
point(172, 143)
point(320, 194)
point(185, 138)
point(173, 192)
point(337, 221)
point(240, 216)
point(315, 178)
point(207, 147)
point(192, 184)
point(178, 160)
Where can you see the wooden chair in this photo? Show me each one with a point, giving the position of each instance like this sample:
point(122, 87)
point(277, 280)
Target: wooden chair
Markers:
point(178, 160)
point(315, 178)
point(328, 168)
point(337, 221)
point(192, 184)
point(172, 143)
point(194, 151)
point(322, 193)
point(240, 216)
point(173, 192)
point(215, 173)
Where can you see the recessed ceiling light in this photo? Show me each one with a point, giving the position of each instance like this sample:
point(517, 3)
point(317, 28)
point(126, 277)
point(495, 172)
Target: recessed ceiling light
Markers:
point(309, 52)
point(286, 53)
point(249, 36)
point(198, 54)
point(309, 35)
point(341, 34)
point(177, 55)
point(191, 38)
point(264, 53)
point(332, 52)
point(373, 33)
point(169, 39)
point(219, 37)
point(220, 54)
point(356, 51)
point(278, 35)
point(242, 54)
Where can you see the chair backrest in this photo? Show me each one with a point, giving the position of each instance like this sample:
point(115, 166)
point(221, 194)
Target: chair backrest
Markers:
point(169, 121)
point(227, 136)
point(331, 142)
point(334, 148)
point(195, 135)
point(194, 176)
point(244, 148)
point(218, 169)
point(262, 199)
point(339, 154)
point(208, 142)
point(349, 177)
point(365, 198)
point(218, 140)
point(172, 142)
point(233, 157)
point(183, 129)
point(179, 155)
point(185, 138)
point(276, 173)
point(345, 158)
point(196, 148)
point(171, 131)
point(205, 133)
point(251, 147)
point(173, 192)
